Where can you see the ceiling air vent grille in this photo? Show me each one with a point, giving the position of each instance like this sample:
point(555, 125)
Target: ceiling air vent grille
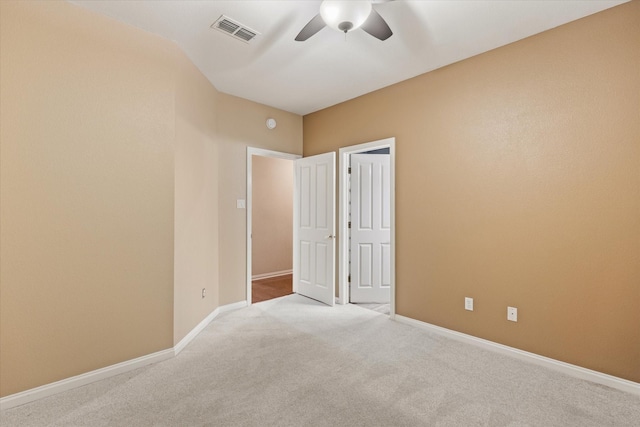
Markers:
point(227, 26)
point(234, 29)
point(245, 34)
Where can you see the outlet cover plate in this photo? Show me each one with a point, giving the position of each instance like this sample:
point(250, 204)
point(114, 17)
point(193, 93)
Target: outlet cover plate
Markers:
point(468, 303)
point(512, 314)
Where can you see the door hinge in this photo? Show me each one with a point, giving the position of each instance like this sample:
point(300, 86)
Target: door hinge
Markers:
point(349, 279)
point(349, 224)
point(349, 169)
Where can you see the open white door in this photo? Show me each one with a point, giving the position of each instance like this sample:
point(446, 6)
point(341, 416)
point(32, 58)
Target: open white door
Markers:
point(314, 230)
point(370, 229)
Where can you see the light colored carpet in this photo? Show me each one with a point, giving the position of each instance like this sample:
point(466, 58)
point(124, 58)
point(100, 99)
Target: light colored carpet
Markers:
point(294, 362)
point(380, 308)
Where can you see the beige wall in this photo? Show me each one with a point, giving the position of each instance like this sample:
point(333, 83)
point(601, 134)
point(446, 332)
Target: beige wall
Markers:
point(241, 124)
point(213, 131)
point(87, 171)
point(196, 193)
point(120, 164)
point(272, 215)
point(518, 183)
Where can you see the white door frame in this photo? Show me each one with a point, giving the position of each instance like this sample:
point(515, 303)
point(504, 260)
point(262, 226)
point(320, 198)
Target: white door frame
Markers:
point(343, 207)
point(264, 153)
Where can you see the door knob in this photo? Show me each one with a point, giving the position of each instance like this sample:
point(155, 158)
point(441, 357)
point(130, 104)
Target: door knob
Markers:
point(330, 236)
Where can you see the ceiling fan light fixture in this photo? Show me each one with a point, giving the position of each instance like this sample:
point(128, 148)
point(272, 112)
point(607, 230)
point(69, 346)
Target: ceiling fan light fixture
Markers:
point(345, 15)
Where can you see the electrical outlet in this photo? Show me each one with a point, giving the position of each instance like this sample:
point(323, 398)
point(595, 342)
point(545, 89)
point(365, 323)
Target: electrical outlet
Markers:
point(204, 292)
point(468, 303)
point(512, 314)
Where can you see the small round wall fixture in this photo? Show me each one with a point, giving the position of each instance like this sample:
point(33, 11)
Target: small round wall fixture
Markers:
point(271, 123)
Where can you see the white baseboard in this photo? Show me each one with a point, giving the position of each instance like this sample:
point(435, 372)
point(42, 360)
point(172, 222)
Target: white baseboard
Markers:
point(270, 275)
point(46, 390)
point(195, 331)
point(205, 322)
point(232, 306)
point(566, 368)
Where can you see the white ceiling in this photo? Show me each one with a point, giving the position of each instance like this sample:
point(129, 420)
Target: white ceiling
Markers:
point(302, 77)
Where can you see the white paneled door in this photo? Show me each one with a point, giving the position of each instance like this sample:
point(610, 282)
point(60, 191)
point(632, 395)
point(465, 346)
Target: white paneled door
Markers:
point(370, 247)
point(314, 230)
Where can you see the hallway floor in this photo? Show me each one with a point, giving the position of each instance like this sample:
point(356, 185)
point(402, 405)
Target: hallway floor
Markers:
point(274, 287)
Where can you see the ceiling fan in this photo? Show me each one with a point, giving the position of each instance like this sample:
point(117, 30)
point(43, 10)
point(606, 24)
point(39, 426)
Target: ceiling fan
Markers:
point(345, 16)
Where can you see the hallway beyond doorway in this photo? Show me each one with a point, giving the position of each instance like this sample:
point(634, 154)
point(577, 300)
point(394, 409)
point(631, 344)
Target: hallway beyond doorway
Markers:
point(273, 287)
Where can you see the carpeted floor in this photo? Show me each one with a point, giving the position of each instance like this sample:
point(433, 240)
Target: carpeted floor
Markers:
point(380, 308)
point(292, 361)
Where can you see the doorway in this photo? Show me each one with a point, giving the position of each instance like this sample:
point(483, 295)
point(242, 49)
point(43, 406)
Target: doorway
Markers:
point(343, 213)
point(269, 224)
point(344, 273)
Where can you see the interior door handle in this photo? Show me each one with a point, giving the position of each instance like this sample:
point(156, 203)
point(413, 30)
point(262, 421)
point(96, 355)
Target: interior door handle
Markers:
point(330, 236)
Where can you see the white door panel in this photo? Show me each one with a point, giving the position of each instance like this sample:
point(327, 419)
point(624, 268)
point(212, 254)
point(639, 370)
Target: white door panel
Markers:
point(314, 245)
point(370, 228)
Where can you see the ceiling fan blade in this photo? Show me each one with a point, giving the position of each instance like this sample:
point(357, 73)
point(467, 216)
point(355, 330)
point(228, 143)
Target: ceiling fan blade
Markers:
point(376, 26)
point(312, 27)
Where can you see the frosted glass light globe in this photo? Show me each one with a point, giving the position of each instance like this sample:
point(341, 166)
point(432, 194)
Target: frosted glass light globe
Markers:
point(345, 15)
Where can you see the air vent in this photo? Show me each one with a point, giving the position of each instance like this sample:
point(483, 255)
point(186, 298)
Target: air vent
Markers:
point(245, 34)
point(227, 26)
point(234, 29)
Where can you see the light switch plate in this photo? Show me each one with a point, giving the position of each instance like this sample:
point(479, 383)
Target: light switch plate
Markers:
point(241, 204)
point(512, 314)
